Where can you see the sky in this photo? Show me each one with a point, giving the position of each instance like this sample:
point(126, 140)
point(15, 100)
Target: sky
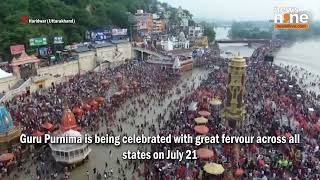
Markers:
point(243, 9)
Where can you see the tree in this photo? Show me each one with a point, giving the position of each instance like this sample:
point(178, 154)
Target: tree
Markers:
point(208, 30)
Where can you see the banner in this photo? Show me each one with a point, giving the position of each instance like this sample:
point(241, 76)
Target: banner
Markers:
point(44, 51)
point(119, 32)
point(100, 35)
point(38, 41)
point(17, 49)
point(58, 40)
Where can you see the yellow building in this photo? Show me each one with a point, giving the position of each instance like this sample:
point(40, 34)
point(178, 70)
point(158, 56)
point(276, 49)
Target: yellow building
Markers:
point(200, 42)
point(234, 108)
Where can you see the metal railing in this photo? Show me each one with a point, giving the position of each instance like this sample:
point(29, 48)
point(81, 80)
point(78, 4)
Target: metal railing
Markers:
point(11, 93)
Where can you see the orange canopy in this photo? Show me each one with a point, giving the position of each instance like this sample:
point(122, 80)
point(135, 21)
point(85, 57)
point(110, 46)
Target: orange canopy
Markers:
point(100, 99)
point(86, 106)
point(47, 126)
point(94, 104)
point(77, 110)
point(6, 157)
point(37, 133)
point(202, 129)
point(204, 113)
point(204, 153)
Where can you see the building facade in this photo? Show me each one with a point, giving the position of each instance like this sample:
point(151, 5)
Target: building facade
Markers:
point(159, 25)
point(195, 31)
point(144, 22)
point(234, 108)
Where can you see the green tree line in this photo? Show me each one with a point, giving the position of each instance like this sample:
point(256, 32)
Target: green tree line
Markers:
point(87, 14)
point(265, 30)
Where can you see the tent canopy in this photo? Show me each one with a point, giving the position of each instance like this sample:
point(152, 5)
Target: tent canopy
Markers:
point(4, 74)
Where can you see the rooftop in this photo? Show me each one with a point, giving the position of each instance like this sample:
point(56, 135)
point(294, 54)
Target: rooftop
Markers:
point(119, 41)
point(82, 49)
point(100, 45)
point(180, 52)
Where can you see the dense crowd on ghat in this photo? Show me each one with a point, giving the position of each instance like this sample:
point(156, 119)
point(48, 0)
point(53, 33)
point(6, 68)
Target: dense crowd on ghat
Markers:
point(276, 106)
point(94, 98)
point(47, 105)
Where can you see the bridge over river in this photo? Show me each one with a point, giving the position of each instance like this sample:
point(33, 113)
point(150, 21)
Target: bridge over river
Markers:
point(243, 41)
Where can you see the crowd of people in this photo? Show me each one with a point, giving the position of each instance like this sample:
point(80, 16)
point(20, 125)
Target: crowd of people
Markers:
point(276, 106)
point(115, 85)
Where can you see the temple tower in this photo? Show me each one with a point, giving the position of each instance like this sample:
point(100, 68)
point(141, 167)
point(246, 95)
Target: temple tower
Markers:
point(234, 108)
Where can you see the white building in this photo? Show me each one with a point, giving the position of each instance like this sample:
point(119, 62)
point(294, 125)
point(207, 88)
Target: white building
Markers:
point(195, 31)
point(70, 153)
point(174, 43)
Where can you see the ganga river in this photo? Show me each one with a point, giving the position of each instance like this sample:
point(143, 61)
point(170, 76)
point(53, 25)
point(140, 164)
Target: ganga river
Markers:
point(301, 54)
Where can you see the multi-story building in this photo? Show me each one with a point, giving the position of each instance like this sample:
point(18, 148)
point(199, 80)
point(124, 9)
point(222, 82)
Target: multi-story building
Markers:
point(195, 31)
point(144, 22)
point(159, 24)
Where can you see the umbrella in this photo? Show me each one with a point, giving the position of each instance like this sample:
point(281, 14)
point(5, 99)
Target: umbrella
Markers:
point(201, 129)
point(47, 126)
point(100, 99)
point(37, 133)
point(261, 162)
point(94, 104)
point(201, 120)
point(239, 172)
point(213, 168)
point(77, 110)
point(86, 106)
point(215, 102)
point(204, 113)
point(6, 157)
point(205, 153)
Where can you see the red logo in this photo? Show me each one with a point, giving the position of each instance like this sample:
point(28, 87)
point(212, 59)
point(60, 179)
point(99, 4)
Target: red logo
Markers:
point(24, 19)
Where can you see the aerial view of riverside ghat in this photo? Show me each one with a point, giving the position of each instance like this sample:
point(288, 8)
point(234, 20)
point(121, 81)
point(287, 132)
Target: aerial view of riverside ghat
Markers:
point(242, 87)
